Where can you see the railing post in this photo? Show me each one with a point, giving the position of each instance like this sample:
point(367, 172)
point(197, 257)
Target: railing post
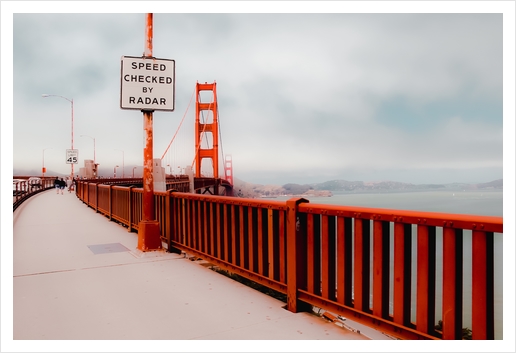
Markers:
point(110, 198)
point(85, 192)
point(425, 286)
point(96, 198)
point(482, 296)
point(170, 221)
point(452, 280)
point(130, 221)
point(296, 262)
point(402, 272)
point(381, 268)
point(362, 264)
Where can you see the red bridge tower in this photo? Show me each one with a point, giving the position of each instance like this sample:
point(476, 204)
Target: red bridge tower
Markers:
point(205, 128)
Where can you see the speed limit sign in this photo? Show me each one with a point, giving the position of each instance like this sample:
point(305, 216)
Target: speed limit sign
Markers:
point(72, 156)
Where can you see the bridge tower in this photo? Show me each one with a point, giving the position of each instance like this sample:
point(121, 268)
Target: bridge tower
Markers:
point(206, 127)
point(228, 169)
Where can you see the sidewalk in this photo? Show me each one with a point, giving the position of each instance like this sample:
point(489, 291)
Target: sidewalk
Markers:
point(78, 276)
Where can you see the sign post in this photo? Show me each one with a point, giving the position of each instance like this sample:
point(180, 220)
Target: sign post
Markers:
point(147, 84)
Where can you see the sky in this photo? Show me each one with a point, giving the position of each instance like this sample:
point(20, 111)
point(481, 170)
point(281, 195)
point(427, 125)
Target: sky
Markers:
point(309, 97)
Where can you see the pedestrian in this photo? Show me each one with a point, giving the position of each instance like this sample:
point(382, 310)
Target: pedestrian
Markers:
point(62, 185)
point(69, 184)
point(57, 185)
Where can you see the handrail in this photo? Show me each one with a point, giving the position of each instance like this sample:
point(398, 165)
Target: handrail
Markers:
point(339, 258)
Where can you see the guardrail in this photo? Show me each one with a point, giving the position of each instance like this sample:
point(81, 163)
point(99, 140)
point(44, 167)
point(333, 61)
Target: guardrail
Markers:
point(23, 190)
point(350, 260)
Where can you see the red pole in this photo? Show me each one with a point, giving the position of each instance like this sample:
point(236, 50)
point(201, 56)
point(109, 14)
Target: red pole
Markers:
point(148, 36)
point(148, 178)
point(71, 176)
point(148, 231)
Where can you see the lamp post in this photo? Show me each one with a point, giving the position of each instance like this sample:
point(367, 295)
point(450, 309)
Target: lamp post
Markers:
point(114, 171)
point(71, 101)
point(123, 166)
point(133, 171)
point(94, 159)
point(43, 169)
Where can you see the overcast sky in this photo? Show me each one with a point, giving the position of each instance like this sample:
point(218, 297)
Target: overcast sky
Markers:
point(412, 97)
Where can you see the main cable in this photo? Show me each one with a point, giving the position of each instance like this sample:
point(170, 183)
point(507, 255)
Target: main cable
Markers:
point(179, 127)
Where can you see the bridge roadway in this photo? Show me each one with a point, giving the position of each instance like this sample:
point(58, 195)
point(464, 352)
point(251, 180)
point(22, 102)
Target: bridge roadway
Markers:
point(79, 276)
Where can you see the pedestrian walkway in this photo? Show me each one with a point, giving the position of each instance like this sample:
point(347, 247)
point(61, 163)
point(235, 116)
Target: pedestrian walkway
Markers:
point(79, 276)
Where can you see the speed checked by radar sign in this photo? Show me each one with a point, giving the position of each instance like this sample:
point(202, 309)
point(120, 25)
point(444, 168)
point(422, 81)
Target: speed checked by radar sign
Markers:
point(147, 83)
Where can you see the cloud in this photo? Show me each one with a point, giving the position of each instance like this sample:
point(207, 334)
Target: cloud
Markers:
point(296, 92)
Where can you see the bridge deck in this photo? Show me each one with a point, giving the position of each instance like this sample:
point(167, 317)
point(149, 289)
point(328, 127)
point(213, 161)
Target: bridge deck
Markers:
point(78, 276)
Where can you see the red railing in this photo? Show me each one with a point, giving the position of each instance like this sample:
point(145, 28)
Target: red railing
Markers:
point(364, 263)
point(350, 249)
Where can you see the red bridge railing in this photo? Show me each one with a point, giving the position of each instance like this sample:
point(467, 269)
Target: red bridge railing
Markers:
point(364, 263)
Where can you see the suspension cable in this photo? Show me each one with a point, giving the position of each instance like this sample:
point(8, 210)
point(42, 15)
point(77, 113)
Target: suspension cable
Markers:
point(181, 123)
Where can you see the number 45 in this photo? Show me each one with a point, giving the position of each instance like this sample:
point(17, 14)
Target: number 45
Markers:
point(72, 160)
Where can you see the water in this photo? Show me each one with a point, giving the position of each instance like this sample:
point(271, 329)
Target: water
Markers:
point(485, 203)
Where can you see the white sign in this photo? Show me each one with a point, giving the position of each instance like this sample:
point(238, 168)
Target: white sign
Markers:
point(72, 156)
point(147, 83)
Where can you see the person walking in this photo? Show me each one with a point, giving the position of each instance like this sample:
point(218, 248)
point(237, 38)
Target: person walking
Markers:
point(69, 184)
point(57, 185)
point(62, 185)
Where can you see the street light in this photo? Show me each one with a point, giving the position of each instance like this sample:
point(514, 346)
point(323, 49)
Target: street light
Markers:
point(123, 166)
point(71, 101)
point(43, 170)
point(133, 171)
point(114, 171)
point(94, 159)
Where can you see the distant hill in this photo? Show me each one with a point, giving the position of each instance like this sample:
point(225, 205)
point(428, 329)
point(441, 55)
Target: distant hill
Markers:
point(344, 186)
point(36, 172)
point(354, 186)
point(327, 188)
point(104, 172)
point(495, 184)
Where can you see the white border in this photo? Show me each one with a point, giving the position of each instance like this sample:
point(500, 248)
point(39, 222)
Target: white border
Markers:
point(8, 8)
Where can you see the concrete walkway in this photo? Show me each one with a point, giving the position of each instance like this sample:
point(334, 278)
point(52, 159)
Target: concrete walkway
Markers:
point(78, 276)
